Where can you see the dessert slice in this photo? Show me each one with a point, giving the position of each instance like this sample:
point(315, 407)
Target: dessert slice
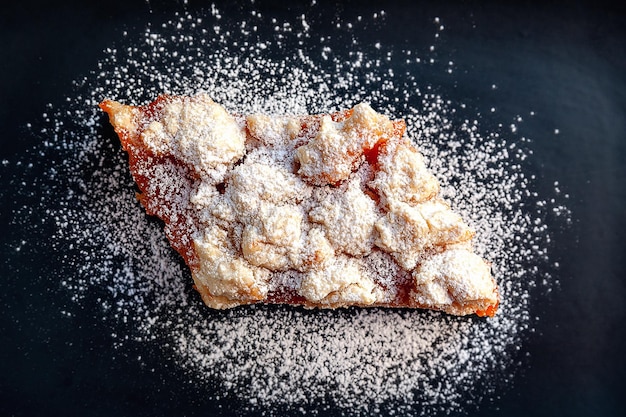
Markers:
point(316, 210)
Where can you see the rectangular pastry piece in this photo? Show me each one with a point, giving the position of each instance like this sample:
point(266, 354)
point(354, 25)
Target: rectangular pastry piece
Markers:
point(323, 211)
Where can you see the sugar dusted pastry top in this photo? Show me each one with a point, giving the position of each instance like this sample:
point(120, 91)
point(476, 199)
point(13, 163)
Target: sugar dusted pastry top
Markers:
point(319, 210)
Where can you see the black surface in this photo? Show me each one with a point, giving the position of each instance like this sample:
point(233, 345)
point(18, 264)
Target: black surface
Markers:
point(566, 62)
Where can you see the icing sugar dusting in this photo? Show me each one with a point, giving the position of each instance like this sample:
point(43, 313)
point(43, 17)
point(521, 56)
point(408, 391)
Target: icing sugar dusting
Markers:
point(356, 361)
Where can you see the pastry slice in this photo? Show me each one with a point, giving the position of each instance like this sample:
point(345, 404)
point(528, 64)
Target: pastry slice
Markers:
point(324, 211)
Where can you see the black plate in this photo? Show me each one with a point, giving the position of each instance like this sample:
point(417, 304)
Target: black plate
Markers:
point(561, 67)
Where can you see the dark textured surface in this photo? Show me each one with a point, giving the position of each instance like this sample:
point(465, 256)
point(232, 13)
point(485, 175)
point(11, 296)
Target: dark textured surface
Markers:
point(565, 63)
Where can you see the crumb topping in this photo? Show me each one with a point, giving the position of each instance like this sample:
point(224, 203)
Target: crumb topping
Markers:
point(332, 153)
point(453, 275)
point(339, 283)
point(198, 132)
point(348, 216)
point(403, 176)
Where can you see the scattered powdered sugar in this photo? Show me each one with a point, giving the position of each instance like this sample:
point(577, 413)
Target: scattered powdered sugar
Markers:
point(268, 359)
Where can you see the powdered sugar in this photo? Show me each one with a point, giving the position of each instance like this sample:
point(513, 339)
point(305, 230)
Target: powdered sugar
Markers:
point(271, 359)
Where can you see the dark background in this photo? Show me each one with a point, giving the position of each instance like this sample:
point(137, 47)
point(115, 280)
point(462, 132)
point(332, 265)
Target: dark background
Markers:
point(564, 61)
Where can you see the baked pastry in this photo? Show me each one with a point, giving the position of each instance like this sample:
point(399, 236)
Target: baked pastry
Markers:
point(316, 210)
